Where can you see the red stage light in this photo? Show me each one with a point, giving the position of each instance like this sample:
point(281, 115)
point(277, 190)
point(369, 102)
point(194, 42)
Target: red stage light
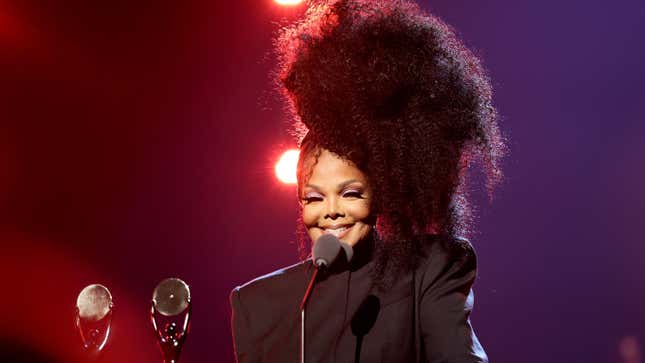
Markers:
point(285, 168)
point(288, 2)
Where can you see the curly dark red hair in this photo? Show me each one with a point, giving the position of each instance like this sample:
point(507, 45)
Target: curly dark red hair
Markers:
point(391, 88)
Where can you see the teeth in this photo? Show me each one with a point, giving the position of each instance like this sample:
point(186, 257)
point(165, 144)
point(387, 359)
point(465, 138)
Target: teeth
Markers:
point(336, 232)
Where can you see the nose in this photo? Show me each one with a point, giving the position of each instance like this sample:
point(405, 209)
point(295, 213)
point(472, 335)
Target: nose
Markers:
point(333, 209)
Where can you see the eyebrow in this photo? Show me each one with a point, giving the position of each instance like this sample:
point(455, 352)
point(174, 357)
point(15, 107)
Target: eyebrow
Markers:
point(339, 186)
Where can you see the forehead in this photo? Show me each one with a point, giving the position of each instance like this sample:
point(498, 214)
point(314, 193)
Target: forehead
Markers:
point(330, 170)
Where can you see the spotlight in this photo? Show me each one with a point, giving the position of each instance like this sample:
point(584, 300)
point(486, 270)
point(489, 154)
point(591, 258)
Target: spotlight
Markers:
point(285, 168)
point(288, 2)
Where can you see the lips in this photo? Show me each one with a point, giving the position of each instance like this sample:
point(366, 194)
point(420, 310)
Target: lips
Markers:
point(337, 231)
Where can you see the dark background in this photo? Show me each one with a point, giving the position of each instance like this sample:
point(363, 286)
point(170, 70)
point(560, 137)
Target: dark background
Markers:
point(137, 142)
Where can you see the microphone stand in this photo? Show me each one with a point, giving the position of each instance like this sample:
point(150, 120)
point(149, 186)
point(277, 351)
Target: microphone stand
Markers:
point(303, 305)
point(325, 251)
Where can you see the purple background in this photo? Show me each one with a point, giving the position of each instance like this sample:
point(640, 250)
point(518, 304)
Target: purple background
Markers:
point(137, 142)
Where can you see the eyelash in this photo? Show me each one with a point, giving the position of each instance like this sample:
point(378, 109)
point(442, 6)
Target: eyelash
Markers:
point(347, 194)
point(353, 193)
point(308, 200)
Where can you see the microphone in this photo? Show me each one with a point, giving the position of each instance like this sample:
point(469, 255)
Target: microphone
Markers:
point(171, 299)
point(327, 249)
point(93, 317)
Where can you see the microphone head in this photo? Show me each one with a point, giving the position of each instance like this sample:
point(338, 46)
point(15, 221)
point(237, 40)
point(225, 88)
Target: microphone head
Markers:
point(171, 297)
point(326, 250)
point(94, 302)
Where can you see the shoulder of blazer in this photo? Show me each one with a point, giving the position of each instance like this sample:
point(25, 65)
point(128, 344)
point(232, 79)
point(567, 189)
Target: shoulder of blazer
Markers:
point(448, 251)
point(282, 281)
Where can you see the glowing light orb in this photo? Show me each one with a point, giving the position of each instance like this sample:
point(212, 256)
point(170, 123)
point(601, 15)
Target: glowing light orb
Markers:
point(285, 168)
point(288, 2)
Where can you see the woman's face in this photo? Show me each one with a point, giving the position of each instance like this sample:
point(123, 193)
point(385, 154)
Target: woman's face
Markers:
point(335, 199)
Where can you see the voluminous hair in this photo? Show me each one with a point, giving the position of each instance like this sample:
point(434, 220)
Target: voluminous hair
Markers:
point(391, 89)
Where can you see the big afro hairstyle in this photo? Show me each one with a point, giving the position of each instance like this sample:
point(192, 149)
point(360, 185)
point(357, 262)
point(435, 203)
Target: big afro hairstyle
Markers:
point(391, 88)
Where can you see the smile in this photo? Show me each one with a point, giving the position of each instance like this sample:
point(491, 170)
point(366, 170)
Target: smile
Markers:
point(338, 232)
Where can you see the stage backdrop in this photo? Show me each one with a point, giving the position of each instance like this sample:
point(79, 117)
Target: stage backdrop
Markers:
point(137, 142)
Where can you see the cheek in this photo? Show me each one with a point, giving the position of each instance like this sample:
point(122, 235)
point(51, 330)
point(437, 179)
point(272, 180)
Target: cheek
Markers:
point(359, 211)
point(364, 231)
point(309, 215)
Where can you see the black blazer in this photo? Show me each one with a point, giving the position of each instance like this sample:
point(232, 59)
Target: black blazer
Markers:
point(424, 317)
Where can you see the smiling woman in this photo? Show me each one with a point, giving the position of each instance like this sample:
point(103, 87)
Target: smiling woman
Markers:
point(336, 199)
point(393, 109)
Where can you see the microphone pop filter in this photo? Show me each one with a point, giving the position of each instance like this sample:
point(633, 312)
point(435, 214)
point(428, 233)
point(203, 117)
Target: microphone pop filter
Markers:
point(94, 302)
point(326, 250)
point(171, 297)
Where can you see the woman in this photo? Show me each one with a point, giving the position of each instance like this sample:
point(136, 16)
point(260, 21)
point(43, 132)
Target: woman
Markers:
point(394, 109)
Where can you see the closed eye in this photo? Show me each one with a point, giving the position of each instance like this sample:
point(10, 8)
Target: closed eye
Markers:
point(311, 197)
point(308, 200)
point(353, 194)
